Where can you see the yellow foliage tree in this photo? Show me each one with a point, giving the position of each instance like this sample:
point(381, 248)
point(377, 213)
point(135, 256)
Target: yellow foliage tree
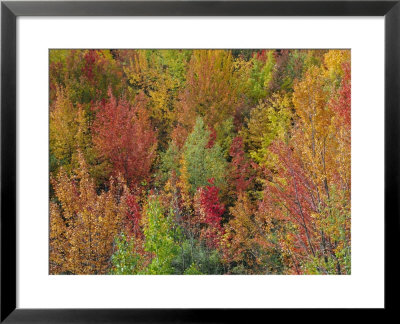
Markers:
point(244, 241)
point(211, 91)
point(314, 137)
point(63, 129)
point(160, 75)
point(83, 224)
point(269, 121)
point(333, 61)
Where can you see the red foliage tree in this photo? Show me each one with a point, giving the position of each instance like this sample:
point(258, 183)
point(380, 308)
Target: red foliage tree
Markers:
point(133, 216)
point(213, 137)
point(240, 167)
point(123, 134)
point(90, 64)
point(312, 230)
point(281, 60)
point(209, 212)
point(291, 198)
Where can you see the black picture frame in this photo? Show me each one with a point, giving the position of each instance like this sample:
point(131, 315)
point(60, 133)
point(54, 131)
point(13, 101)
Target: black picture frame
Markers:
point(9, 13)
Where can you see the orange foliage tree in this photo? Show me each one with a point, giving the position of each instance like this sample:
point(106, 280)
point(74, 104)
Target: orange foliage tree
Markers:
point(83, 224)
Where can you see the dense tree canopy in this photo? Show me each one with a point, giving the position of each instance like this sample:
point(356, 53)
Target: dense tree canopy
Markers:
point(200, 162)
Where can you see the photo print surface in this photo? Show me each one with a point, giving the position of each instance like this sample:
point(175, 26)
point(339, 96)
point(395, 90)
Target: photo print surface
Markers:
point(197, 162)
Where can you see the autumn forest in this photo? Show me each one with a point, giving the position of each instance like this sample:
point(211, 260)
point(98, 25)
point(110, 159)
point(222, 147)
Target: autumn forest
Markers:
point(200, 162)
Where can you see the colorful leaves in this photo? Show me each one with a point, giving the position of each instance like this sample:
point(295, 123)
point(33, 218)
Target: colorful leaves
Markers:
point(123, 134)
point(83, 224)
point(200, 161)
point(209, 214)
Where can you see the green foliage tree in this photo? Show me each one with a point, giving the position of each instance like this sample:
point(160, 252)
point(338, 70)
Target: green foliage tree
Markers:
point(259, 76)
point(159, 238)
point(203, 163)
point(169, 162)
point(197, 257)
point(268, 121)
point(125, 260)
point(192, 270)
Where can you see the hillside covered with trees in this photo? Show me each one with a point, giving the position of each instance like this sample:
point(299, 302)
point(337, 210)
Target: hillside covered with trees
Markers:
point(200, 162)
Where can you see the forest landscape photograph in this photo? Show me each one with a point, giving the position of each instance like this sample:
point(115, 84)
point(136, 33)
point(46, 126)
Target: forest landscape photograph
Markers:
point(199, 162)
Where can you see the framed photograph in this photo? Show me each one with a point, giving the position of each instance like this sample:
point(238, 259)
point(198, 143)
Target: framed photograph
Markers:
point(187, 161)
